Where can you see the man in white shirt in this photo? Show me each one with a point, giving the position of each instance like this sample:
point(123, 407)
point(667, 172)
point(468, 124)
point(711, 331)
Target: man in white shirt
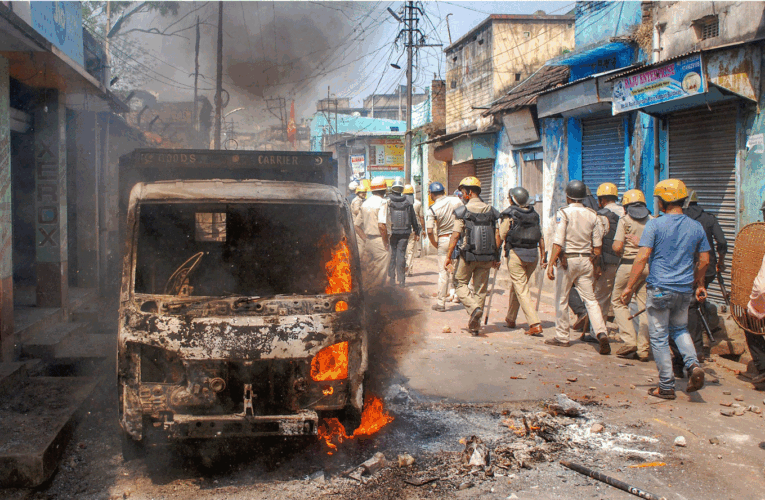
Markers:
point(372, 226)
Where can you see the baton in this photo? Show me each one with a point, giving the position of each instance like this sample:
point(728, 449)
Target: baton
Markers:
point(636, 314)
point(704, 322)
point(491, 296)
point(721, 282)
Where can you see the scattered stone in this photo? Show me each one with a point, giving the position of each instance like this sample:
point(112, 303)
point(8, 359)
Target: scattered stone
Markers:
point(476, 453)
point(680, 441)
point(632, 386)
point(371, 466)
point(596, 428)
point(465, 485)
point(738, 412)
point(420, 481)
point(571, 379)
point(739, 398)
point(726, 413)
point(726, 403)
point(398, 394)
point(726, 393)
point(736, 405)
point(512, 497)
point(754, 409)
point(714, 440)
point(405, 460)
point(719, 457)
point(649, 379)
point(567, 406)
point(317, 477)
point(446, 329)
point(593, 388)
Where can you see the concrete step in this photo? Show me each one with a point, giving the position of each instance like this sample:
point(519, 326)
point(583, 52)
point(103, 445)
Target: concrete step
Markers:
point(43, 344)
point(96, 311)
point(14, 372)
point(36, 423)
point(84, 345)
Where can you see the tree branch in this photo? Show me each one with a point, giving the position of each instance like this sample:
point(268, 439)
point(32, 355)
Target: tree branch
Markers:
point(118, 24)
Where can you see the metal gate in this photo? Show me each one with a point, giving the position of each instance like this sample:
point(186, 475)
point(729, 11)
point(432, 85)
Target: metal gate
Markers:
point(603, 152)
point(702, 154)
point(484, 170)
point(459, 172)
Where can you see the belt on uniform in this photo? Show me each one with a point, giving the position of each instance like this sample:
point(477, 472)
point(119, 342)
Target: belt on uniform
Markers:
point(571, 255)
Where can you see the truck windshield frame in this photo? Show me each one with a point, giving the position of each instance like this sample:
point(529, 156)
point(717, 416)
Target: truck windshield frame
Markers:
point(244, 249)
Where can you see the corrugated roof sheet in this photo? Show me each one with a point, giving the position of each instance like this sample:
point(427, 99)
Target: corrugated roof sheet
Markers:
point(526, 92)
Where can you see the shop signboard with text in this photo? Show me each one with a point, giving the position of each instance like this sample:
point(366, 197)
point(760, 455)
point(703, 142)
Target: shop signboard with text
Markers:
point(61, 24)
point(675, 80)
point(386, 158)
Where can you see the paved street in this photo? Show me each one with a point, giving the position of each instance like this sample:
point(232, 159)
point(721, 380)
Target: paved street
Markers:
point(442, 387)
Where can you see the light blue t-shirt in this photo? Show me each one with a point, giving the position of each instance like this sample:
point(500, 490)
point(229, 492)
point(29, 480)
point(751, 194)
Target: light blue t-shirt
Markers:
point(674, 240)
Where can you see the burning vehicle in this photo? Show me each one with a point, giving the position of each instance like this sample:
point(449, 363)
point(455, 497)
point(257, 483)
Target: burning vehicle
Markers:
point(241, 311)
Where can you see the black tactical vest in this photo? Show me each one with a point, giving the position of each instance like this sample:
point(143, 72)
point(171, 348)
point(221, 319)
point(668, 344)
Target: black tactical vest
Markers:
point(479, 243)
point(525, 231)
point(400, 215)
point(609, 256)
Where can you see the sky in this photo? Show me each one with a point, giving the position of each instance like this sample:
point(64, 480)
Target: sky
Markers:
point(297, 50)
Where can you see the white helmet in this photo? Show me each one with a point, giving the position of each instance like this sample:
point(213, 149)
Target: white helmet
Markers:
point(352, 186)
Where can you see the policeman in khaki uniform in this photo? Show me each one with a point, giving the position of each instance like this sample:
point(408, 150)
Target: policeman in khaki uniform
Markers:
point(476, 223)
point(521, 231)
point(610, 213)
point(413, 238)
point(372, 226)
point(361, 195)
point(440, 225)
point(626, 240)
point(576, 245)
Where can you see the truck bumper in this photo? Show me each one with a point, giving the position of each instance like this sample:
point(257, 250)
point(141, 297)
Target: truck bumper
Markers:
point(304, 423)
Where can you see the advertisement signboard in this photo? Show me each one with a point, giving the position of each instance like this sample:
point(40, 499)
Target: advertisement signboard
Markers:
point(358, 165)
point(386, 158)
point(61, 24)
point(678, 79)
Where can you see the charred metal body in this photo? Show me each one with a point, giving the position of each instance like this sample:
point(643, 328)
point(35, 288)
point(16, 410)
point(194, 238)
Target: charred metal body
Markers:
point(229, 344)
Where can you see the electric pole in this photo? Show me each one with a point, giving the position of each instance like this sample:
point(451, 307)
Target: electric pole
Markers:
point(219, 79)
point(410, 18)
point(196, 79)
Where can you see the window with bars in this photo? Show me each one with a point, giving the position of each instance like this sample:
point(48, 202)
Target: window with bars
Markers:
point(707, 27)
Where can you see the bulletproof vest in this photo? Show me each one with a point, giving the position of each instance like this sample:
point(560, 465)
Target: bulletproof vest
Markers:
point(525, 231)
point(637, 211)
point(609, 256)
point(400, 215)
point(479, 244)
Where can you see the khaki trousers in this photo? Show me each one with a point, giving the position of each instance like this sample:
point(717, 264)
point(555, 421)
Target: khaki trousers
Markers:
point(579, 274)
point(622, 312)
point(374, 263)
point(479, 273)
point(604, 285)
point(520, 297)
point(411, 248)
point(443, 274)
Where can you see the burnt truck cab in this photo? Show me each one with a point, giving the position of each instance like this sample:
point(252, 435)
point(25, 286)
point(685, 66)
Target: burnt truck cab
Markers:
point(241, 312)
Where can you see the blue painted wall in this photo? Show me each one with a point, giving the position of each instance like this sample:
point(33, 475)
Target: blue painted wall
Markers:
point(596, 22)
point(347, 124)
point(574, 138)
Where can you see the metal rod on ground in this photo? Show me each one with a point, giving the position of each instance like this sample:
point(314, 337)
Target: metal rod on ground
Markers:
point(704, 322)
point(581, 469)
point(636, 314)
point(721, 282)
point(491, 296)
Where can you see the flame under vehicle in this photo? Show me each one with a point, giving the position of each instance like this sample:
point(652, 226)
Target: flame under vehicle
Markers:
point(241, 311)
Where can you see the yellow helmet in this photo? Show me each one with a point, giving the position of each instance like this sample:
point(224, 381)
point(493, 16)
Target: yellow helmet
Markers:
point(608, 189)
point(378, 184)
point(633, 196)
point(408, 189)
point(671, 190)
point(363, 186)
point(471, 182)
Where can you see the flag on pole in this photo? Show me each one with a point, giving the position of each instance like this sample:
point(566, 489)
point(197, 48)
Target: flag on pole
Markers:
point(291, 128)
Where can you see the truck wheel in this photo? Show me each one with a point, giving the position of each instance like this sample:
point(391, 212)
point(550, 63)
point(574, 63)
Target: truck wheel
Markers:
point(132, 449)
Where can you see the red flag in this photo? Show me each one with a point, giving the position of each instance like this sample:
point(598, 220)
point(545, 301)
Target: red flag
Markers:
point(291, 128)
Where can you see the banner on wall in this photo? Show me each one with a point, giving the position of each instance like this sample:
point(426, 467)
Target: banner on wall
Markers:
point(358, 165)
point(61, 24)
point(386, 157)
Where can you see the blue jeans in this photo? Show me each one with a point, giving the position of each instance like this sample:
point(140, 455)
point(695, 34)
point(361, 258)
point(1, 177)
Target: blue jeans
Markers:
point(668, 318)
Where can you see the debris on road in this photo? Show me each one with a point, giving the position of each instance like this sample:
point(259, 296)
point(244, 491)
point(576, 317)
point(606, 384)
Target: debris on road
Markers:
point(649, 464)
point(317, 477)
point(680, 441)
point(714, 440)
point(476, 453)
point(420, 481)
point(465, 485)
point(609, 480)
point(754, 409)
point(596, 428)
point(446, 329)
point(566, 406)
point(571, 379)
point(369, 467)
point(405, 460)
point(726, 413)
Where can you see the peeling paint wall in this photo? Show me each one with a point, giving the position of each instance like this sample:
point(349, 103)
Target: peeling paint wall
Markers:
point(505, 170)
point(599, 21)
point(752, 161)
point(555, 169)
point(644, 132)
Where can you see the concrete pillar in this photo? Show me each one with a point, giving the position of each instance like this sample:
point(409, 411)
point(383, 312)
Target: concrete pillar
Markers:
point(6, 235)
point(110, 249)
point(87, 168)
point(50, 201)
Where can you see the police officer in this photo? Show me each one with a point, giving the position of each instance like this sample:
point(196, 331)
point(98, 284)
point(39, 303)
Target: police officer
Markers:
point(414, 238)
point(361, 196)
point(352, 187)
point(372, 226)
point(403, 223)
point(522, 233)
point(610, 213)
point(577, 243)
point(626, 241)
point(440, 225)
point(476, 223)
point(716, 265)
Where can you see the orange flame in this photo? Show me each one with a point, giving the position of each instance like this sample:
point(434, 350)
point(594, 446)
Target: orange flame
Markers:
point(373, 418)
point(331, 363)
point(339, 269)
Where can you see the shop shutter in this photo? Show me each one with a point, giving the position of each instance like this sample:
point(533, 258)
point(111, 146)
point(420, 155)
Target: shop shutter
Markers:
point(603, 152)
point(484, 170)
point(459, 172)
point(702, 154)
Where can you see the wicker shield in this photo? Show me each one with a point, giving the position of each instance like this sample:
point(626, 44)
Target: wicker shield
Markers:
point(747, 259)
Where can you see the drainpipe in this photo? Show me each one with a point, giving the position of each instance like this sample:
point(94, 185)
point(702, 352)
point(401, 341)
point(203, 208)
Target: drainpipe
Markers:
point(656, 160)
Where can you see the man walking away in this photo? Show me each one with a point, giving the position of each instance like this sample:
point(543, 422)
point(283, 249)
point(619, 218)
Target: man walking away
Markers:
point(716, 265)
point(476, 223)
point(626, 241)
point(610, 213)
point(372, 226)
point(576, 245)
point(403, 223)
point(361, 196)
point(521, 231)
point(440, 224)
point(414, 238)
point(669, 244)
